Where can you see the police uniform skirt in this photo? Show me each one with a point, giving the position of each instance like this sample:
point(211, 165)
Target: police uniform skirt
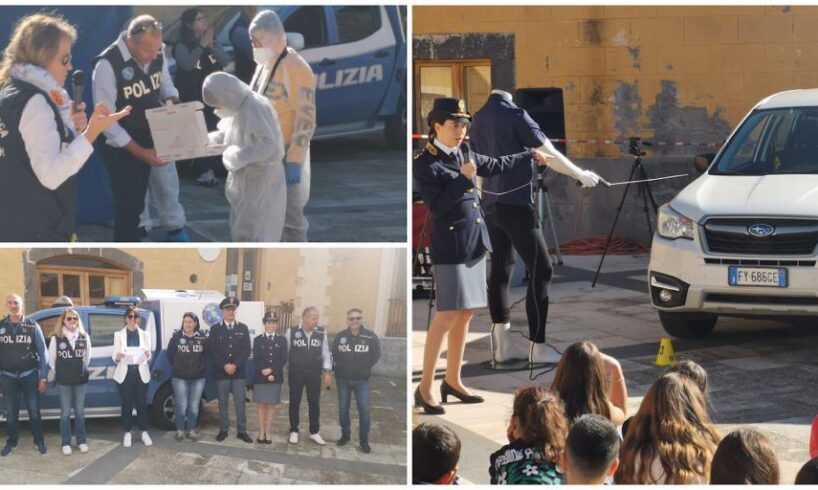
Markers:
point(267, 393)
point(461, 286)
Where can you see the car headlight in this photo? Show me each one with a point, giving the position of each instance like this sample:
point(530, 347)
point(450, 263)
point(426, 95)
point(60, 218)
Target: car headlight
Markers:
point(671, 224)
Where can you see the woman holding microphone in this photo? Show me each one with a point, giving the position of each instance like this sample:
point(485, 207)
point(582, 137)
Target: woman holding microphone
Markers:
point(45, 139)
point(132, 350)
point(444, 173)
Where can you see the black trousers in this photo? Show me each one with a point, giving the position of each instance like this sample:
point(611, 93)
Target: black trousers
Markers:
point(134, 393)
point(312, 382)
point(514, 228)
point(129, 182)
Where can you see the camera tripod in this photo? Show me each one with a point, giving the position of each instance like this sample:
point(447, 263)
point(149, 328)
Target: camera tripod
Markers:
point(643, 187)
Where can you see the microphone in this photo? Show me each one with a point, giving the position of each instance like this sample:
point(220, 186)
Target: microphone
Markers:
point(78, 84)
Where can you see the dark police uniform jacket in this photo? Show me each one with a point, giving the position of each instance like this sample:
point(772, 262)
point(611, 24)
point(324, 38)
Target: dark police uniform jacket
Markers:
point(459, 232)
point(18, 352)
point(225, 347)
point(269, 354)
point(32, 212)
point(187, 355)
point(69, 365)
point(501, 128)
point(134, 87)
point(354, 355)
point(307, 354)
point(189, 82)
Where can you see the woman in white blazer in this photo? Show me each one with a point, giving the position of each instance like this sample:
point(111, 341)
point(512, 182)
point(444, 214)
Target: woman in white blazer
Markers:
point(132, 350)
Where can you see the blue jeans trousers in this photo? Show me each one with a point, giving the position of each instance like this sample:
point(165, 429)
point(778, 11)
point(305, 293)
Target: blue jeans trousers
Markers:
point(72, 396)
point(346, 387)
point(186, 394)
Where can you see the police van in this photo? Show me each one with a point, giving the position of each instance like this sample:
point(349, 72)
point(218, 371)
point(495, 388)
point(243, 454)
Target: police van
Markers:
point(358, 55)
point(160, 315)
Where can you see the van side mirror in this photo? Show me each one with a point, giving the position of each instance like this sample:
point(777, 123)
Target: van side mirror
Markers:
point(702, 161)
point(295, 40)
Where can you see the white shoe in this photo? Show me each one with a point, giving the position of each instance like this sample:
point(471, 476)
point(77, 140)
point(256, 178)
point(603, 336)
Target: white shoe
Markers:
point(146, 439)
point(83, 448)
point(316, 438)
point(66, 450)
point(293, 437)
point(502, 348)
point(543, 354)
point(126, 441)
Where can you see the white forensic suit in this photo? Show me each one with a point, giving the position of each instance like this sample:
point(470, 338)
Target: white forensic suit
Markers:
point(254, 149)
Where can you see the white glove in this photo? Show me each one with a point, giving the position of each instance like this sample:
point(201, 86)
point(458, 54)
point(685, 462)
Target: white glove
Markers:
point(588, 178)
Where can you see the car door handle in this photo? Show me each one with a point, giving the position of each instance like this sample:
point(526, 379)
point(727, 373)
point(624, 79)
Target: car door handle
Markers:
point(326, 62)
point(383, 53)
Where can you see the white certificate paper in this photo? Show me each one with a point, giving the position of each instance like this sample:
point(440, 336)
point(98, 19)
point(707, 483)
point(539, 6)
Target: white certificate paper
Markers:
point(134, 355)
point(179, 132)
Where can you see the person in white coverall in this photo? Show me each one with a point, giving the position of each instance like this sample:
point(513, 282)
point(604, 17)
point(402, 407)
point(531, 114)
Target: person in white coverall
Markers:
point(254, 149)
point(289, 83)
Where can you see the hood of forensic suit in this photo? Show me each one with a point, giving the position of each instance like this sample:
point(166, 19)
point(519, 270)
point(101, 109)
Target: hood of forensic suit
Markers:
point(787, 195)
point(268, 29)
point(224, 92)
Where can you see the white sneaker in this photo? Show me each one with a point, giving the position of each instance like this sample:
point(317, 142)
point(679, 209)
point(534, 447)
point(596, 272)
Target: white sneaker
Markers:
point(543, 354)
point(146, 439)
point(316, 438)
point(126, 441)
point(293, 437)
point(66, 450)
point(502, 347)
point(83, 448)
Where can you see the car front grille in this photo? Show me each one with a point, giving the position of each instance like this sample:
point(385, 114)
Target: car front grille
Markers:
point(791, 236)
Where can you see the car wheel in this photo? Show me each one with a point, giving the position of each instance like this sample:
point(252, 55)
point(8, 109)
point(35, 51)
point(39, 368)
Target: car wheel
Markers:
point(688, 325)
point(395, 128)
point(162, 408)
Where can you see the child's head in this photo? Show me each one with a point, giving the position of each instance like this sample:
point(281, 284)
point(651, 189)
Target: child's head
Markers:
point(744, 457)
point(580, 381)
point(435, 454)
point(591, 450)
point(692, 371)
point(808, 474)
point(539, 420)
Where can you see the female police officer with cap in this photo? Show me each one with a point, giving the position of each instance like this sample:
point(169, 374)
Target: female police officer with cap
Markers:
point(459, 240)
point(269, 356)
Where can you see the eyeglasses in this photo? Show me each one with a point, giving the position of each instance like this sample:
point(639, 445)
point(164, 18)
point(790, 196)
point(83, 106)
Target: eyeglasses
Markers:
point(155, 26)
point(355, 318)
point(132, 315)
point(66, 60)
point(71, 318)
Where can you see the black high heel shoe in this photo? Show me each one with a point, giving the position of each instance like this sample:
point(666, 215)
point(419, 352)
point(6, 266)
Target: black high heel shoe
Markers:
point(429, 409)
point(446, 390)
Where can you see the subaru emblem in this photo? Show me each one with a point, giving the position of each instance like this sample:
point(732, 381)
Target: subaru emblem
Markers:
point(760, 230)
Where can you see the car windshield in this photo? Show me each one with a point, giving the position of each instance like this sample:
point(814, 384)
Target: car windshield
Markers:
point(775, 141)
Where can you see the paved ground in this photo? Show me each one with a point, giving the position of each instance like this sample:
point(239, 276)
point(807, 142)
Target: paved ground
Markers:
point(762, 373)
point(358, 194)
point(231, 461)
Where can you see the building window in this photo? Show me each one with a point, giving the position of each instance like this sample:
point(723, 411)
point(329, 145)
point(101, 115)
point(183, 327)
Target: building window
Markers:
point(469, 80)
point(86, 280)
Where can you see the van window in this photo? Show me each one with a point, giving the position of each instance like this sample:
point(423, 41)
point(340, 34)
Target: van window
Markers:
point(310, 23)
point(101, 328)
point(49, 325)
point(357, 22)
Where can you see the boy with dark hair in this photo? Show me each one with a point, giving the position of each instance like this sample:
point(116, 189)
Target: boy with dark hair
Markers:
point(435, 454)
point(591, 451)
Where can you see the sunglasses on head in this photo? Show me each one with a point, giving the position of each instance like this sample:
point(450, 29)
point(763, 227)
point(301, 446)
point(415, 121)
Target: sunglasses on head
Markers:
point(66, 60)
point(155, 26)
point(71, 318)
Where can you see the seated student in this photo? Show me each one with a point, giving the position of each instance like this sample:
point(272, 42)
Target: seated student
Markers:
point(536, 435)
point(591, 451)
point(435, 454)
point(671, 439)
point(808, 474)
point(743, 457)
point(589, 381)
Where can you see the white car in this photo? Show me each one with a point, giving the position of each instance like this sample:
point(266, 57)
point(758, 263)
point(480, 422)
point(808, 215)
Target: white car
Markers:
point(741, 239)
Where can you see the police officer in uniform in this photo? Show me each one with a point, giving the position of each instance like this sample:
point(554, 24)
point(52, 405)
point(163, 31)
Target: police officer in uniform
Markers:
point(354, 352)
point(23, 371)
point(229, 347)
point(444, 172)
point(269, 359)
point(187, 351)
point(309, 356)
point(133, 71)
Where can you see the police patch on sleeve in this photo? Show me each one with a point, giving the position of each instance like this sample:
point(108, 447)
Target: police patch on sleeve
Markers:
point(63, 345)
point(127, 73)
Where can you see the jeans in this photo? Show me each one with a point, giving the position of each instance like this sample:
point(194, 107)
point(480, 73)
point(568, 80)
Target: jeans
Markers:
point(187, 393)
point(238, 387)
point(72, 396)
point(134, 393)
point(312, 382)
point(361, 389)
point(25, 388)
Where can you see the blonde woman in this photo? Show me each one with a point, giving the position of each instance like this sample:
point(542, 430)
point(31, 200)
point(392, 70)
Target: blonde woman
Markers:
point(69, 354)
point(132, 350)
point(46, 140)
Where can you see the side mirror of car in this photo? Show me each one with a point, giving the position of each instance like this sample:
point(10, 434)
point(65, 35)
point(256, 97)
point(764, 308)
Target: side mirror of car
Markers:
point(295, 40)
point(702, 161)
